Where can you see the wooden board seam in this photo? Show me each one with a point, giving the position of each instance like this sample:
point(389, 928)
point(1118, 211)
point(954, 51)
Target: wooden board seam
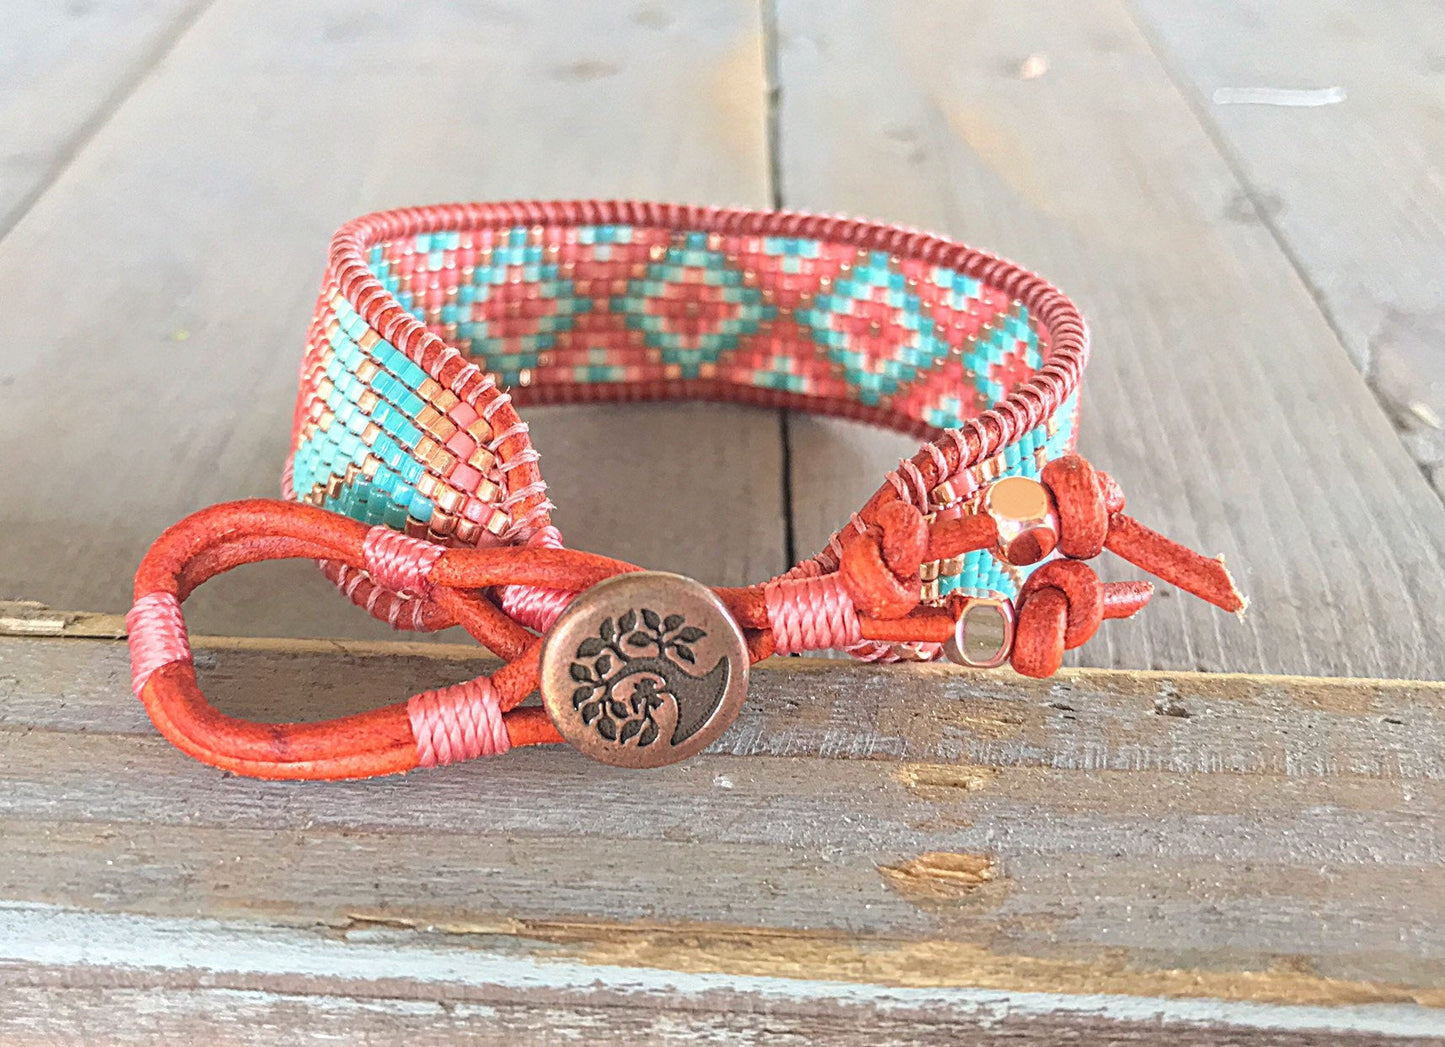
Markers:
point(28, 619)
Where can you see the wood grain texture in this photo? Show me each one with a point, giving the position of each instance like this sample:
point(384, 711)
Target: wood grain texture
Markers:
point(906, 851)
point(53, 1006)
point(1218, 393)
point(63, 70)
point(1353, 191)
point(157, 297)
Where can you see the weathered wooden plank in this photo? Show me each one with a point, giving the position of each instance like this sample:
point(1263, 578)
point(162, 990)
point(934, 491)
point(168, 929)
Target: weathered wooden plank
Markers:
point(1353, 189)
point(205, 1004)
point(33, 618)
point(1082, 719)
point(1325, 871)
point(1107, 847)
point(1218, 394)
point(63, 69)
point(158, 296)
point(488, 1002)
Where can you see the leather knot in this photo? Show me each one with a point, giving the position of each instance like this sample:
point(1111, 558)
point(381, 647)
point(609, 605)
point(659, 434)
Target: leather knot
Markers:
point(1091, 517)
point(879, 566)
point(1085, 499)
point(1059, 608)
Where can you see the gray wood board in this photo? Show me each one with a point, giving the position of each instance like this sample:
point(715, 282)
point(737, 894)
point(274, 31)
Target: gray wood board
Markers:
point(1353, 190)
point(866, 845)
point(1218, 393)
point(63, 70)
point(158, 295)
point(63, 1005)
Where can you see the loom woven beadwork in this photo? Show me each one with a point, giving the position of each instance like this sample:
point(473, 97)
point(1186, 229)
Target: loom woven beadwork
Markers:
point(552, 311)
point(432, 321)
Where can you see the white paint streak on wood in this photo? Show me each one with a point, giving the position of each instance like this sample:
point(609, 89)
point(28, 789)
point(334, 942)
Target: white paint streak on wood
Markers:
point(45, 935)
point(1289, 97)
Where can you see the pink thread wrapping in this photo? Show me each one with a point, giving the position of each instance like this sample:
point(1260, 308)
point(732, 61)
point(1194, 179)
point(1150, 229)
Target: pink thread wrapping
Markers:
point(530, 606)
point(398, 610)
point(811, 614)
point(865, 650)
point(535, 608)
point(459, 722)
point(157, 636)
point(399, 562)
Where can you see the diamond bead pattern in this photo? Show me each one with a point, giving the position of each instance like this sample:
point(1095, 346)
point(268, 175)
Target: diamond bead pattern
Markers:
point(552, 307)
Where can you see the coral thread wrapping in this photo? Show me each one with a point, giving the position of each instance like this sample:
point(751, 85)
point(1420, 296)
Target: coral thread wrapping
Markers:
point(157, 634)
point(535, 608)
point(399, 562)
point(811, 614)
point(456, 723)
point(528, 605)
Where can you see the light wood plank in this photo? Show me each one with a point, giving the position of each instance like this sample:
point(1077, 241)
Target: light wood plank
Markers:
point(61, 1005)
point(63, 69)
point(1354, 189)
point(1218, 394)
point(1128, 848)
point(159, 294)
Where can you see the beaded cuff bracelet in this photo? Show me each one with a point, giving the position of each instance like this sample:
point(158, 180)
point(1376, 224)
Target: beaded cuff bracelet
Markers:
point(413, 480)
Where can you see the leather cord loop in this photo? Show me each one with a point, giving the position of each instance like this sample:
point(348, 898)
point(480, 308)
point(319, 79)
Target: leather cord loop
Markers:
point(1083, 516)
point(880, 564)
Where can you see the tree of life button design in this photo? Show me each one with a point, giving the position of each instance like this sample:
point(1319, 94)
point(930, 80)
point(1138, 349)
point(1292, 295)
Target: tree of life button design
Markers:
point(644, 669)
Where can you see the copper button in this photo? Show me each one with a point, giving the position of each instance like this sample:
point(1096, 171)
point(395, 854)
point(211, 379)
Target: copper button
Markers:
point(644, 669)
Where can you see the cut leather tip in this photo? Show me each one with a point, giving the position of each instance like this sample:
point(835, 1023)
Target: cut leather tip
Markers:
point(1176, 564)
point(1238, 604)
point(1213, 583)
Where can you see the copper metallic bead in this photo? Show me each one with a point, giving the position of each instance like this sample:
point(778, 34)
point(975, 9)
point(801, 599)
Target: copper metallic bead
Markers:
point(449, 499)
point(482, 459)
point(466, 531)
point(983, 635)
point(1028, 522)
point(945, 494)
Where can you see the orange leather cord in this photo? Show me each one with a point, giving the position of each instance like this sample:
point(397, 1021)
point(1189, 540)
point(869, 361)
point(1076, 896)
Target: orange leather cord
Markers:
point(1060, 607)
